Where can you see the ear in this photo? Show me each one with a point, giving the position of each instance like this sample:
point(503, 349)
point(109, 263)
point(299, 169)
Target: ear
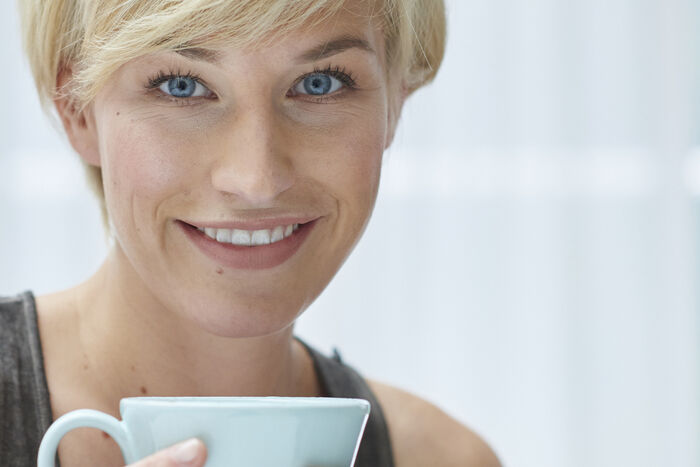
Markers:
point(79, 125)
point(396, 101)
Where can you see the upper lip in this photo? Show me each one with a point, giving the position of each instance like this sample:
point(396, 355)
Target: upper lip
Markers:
point(254, 224)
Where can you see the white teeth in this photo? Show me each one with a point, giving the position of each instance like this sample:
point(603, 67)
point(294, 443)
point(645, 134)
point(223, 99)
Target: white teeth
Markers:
point(260, 237)
point(250, 237)
point(240, 237)
point(223, 235)
point(277, 234)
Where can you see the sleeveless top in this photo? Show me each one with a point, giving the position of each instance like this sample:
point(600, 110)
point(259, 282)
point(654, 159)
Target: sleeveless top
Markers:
point(25, 407)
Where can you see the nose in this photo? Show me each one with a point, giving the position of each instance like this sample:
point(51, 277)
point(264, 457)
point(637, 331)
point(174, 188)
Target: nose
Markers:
point(253, 164)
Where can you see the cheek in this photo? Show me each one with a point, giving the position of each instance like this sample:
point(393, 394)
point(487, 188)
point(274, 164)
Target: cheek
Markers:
point(359, 171)
point(347, 159)
point(142, 165)
point(346, 163)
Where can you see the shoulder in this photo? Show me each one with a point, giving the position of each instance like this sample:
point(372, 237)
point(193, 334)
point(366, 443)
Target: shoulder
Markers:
point(423, 434)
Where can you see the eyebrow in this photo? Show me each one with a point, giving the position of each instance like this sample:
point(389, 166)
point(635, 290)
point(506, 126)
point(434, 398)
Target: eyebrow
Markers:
point(327, 49)
point(200, 54)
point(335, 46)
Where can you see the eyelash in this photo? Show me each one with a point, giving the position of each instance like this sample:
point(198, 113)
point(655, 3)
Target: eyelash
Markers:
point(341, 74)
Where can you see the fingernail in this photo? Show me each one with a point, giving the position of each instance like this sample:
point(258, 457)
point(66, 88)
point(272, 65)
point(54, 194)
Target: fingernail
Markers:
point(185, 452)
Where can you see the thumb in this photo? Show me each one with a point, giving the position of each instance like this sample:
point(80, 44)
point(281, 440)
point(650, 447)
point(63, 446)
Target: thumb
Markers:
point(189, 453)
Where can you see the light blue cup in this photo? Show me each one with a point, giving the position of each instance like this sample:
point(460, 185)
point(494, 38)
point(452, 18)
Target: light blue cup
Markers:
point(238, 431)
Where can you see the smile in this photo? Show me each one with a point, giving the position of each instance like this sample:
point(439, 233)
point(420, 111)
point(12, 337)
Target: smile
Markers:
point(250, 237)
point(249, 249)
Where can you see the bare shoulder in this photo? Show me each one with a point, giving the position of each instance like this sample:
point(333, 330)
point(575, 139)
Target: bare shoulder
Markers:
point(422, 434)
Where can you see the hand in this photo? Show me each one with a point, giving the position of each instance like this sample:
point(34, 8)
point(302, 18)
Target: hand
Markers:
point(189, 453)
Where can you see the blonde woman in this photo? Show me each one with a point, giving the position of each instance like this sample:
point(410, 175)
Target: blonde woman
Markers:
point(236, 148)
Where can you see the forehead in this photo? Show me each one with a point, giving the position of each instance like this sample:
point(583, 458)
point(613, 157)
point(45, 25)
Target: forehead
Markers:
point(354, 26)
point(308, 45)
point(324, 49)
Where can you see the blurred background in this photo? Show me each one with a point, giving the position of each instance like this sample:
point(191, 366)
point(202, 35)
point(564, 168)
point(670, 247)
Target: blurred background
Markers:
point(532, 265)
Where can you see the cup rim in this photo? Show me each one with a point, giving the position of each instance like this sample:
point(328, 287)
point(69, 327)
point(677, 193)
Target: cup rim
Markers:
point(244, 402)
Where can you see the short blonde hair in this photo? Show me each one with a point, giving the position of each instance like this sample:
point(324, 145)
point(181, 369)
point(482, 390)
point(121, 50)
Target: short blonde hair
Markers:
point(95, 37)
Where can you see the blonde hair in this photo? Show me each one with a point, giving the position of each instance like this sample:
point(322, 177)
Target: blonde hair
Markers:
point(95, 37)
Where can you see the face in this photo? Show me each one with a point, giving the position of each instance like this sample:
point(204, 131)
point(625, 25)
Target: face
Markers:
point(199, 144)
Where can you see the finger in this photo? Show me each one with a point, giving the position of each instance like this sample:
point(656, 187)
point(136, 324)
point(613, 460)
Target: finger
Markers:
point(189, 453)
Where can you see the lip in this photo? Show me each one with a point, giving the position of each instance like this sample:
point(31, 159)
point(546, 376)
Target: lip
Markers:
point(248, 257)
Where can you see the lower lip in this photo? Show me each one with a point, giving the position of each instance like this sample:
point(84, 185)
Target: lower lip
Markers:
point(249, 257)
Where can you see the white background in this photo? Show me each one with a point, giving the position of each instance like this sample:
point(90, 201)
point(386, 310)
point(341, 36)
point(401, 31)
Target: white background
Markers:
point(532, 262)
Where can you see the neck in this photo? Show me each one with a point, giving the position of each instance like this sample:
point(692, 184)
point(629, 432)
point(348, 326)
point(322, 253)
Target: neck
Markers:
point(143, 349)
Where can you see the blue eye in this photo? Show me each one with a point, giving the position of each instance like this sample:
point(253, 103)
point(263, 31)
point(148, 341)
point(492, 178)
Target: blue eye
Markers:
point(318, 84)
point(183, 87)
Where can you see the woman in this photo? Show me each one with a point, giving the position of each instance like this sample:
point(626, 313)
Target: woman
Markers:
point(236, 147)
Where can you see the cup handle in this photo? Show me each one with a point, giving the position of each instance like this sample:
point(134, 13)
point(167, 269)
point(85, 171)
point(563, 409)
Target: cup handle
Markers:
point(77, 419)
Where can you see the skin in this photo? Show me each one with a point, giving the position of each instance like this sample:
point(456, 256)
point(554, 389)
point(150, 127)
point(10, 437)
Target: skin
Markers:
point(159, 317)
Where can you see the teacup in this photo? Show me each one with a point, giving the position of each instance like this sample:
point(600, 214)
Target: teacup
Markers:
point(238, 431)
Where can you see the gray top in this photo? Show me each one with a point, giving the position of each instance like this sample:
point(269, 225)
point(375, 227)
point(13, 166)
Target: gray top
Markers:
point(25, 406)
